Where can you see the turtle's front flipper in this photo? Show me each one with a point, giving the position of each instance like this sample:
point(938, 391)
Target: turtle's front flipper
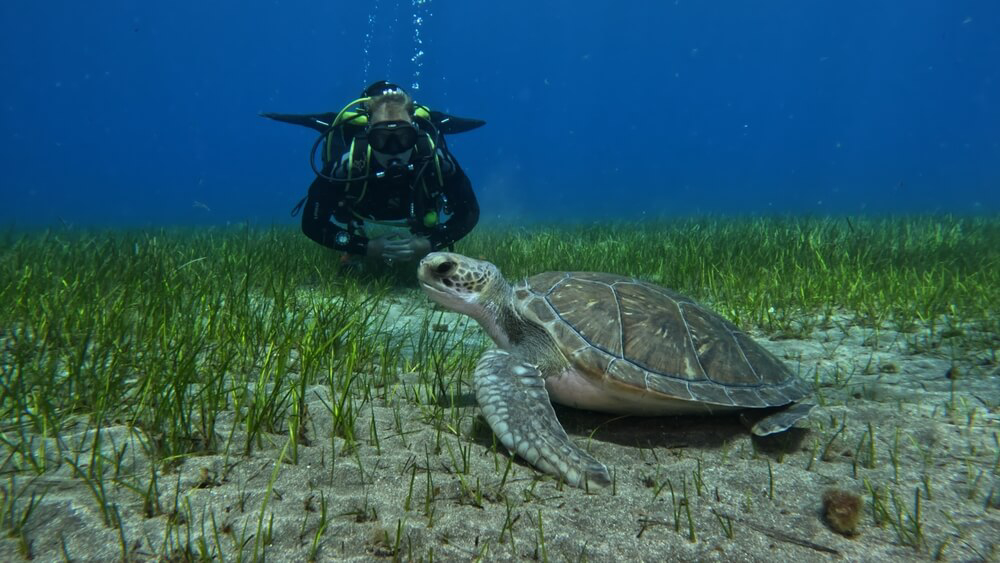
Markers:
point(512, 396)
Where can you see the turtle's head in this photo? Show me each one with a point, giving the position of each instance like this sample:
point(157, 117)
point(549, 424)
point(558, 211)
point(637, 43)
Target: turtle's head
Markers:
point(460, 283)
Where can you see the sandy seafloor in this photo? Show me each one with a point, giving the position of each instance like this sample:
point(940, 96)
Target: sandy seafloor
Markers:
point(934, 413)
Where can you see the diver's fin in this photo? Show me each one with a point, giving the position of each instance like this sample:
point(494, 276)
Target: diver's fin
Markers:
point(450, 124)
point(445, 123)
point(318, 121)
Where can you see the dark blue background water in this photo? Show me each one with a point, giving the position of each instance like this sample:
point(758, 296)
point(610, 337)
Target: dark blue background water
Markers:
point(116, 112)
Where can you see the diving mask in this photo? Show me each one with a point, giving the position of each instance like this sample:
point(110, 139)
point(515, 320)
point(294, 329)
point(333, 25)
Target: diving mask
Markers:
point(392, 137)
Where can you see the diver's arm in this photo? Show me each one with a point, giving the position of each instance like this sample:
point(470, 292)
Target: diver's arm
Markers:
point(464, 208)
point(316, 223)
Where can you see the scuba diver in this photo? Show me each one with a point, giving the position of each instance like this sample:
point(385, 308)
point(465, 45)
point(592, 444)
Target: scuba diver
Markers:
point(385, 162)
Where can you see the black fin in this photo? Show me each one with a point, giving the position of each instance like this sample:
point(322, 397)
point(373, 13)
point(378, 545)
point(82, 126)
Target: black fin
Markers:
point(318, 121)
point(450, 124)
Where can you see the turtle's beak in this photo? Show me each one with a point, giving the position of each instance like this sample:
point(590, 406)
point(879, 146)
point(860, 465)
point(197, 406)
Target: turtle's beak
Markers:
point(435, 268)
point(433, 272)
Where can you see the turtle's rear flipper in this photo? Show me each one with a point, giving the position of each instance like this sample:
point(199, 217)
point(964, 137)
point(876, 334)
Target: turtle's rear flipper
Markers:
point(512, 396)
point(777, 421)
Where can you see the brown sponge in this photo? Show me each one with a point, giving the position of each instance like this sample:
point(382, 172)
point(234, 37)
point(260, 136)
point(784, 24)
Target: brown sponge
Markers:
point(842, 510)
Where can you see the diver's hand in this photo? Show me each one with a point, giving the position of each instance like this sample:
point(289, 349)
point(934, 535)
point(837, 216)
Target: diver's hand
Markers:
point(406, 249)
point(376, 246)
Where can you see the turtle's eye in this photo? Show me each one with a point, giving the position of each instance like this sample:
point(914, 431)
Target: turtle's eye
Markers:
point(445, 268)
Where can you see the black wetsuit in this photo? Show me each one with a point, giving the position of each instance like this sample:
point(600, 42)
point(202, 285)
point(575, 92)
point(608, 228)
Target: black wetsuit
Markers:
point(334, 212)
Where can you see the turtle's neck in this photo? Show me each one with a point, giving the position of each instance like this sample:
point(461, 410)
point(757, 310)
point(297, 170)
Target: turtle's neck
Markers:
point(499, 319)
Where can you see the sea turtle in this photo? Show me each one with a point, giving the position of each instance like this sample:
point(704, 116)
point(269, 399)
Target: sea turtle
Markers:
point(607, 343)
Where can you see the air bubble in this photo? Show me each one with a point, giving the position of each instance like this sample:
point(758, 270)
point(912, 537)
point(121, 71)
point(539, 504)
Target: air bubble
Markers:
point(420, 13)
point(387, 25)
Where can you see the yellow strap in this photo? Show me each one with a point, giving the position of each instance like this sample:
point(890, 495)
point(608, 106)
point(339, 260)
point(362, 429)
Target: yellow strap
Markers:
point(355, 117)
point(340, 115)
point(437, 162)
point(368, 170)
point(350, 164)
point(350, 169)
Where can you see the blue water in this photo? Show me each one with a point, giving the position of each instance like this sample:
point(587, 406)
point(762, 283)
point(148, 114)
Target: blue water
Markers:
point(128, 113)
